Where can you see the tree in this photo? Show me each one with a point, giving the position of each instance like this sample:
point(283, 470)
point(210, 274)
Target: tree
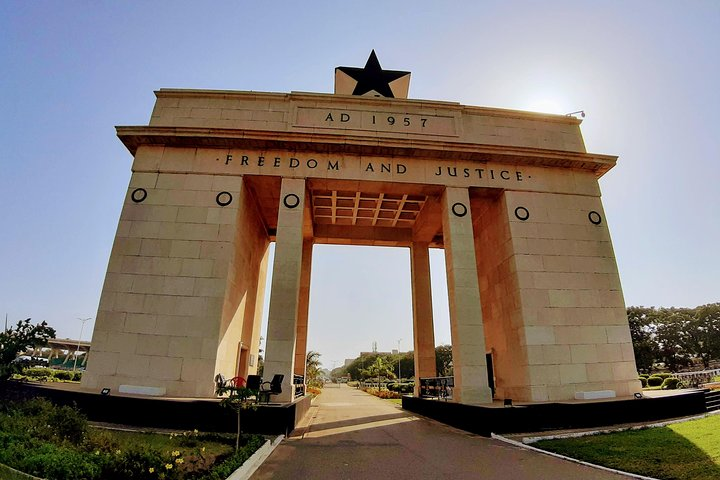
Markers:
point(379, 368)
point(700, 333)
point(672, 328)
point(643, 330)
point(443, 360)
point(407, 364)
point(312, 369)
point(16, 340)
point(238, 399)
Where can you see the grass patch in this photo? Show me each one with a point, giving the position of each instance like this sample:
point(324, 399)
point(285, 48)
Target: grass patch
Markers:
point(396, 401)
point(683, 451)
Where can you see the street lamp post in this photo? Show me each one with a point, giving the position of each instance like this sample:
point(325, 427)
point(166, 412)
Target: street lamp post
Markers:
point(399, 360)
point(83, 320)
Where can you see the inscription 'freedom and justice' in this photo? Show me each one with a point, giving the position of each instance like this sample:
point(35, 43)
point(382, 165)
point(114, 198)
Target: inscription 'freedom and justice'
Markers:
point(394, 168)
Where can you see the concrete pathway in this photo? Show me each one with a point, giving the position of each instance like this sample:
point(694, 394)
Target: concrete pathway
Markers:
point(349, 434)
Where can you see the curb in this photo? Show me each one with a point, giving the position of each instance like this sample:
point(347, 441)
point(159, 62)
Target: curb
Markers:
point(256, 459)
point(569, 459)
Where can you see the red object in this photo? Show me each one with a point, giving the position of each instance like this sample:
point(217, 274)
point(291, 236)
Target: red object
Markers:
point(237, 382)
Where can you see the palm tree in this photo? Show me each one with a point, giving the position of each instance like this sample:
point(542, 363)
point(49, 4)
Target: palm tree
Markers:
point(312, 368)
point(378, 369)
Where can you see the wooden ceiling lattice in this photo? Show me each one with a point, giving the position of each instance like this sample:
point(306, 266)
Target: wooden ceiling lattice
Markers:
point(366, 209)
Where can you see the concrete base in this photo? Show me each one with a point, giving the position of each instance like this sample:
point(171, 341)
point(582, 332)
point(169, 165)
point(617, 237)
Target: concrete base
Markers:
point(536, 417)
point(140, 390)
point(595, 395)
point(182, 414)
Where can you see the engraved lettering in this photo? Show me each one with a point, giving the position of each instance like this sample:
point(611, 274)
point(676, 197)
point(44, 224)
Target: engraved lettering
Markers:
point(466, 172)
point(480, 172)
point(244, 160)
point(261, 161)
point(276, 163)
point(228, 159)
point(519, 176)
point(344, 117)
point(369, 168)
point(439, 172)
point(329, 118)
point(401, 168)
point(333, 166)
point(505, 175)
point(294, 162)
point(312, 163)
point(452, 171)
point(384, 168)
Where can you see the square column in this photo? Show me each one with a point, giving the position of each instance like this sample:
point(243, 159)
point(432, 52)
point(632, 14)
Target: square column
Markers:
point(303, 309)
point(423, 334)
point(285, 288)
point(466, 321)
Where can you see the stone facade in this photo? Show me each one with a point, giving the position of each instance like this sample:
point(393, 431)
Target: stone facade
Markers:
point(512, 197)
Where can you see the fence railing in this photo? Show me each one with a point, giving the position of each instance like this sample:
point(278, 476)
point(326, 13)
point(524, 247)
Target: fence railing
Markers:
point(299, 382)
point(696, 379)
point(437, 387)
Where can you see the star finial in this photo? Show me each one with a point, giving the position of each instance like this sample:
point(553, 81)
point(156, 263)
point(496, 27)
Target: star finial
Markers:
point(372, 80)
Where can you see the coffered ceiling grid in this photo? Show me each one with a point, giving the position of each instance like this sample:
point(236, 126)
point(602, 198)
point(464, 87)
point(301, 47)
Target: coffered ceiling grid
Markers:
point(337, 207)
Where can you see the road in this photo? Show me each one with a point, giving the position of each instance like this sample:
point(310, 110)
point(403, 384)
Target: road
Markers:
point(349, 434)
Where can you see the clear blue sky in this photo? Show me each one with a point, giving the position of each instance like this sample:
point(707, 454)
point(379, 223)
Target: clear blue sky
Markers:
point(646, 72)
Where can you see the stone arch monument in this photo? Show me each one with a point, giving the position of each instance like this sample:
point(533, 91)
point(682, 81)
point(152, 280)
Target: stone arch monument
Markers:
point(512, 197)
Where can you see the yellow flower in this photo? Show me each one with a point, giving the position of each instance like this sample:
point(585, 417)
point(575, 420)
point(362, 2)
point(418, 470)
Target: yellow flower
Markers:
point(195, 431)
point(202, 449)
point(117, 452)
point(176, 453)
point(179, 461)
point(151, 470)
point(168, 466)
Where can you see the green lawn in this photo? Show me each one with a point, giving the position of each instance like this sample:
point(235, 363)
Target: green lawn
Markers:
point(688, 450)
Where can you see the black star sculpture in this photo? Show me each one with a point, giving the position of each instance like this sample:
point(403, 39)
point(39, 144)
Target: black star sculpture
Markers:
point(373, 77)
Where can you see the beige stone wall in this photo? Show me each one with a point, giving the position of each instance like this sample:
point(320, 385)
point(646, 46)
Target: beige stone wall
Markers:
point(308, 113)
point(500, 298)
point(167, 286)
point(572, 327)
point(244, 294)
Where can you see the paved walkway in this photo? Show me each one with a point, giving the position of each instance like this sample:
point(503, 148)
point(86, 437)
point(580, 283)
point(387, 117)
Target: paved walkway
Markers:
point(349, 434)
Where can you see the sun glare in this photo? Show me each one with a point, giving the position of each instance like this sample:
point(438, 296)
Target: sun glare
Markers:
point(545, 105)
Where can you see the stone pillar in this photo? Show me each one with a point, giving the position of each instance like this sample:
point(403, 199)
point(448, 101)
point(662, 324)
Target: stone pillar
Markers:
point(466, 322)
point(304, 308)
point(423, 334)
point(285, 288)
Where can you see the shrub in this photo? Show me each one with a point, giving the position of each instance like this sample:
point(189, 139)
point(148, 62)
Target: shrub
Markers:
point(233, 462)
point(643, 382)
point(655, 381)
point(58, 463)
point(385, 394)
point(76, 376)
point(644, 375)
point(63, 374)
point(38, 372)
point(671, 384)
point(663, 375)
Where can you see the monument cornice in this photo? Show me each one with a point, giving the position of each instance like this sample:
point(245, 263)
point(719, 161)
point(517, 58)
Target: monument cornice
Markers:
point(191, 137)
